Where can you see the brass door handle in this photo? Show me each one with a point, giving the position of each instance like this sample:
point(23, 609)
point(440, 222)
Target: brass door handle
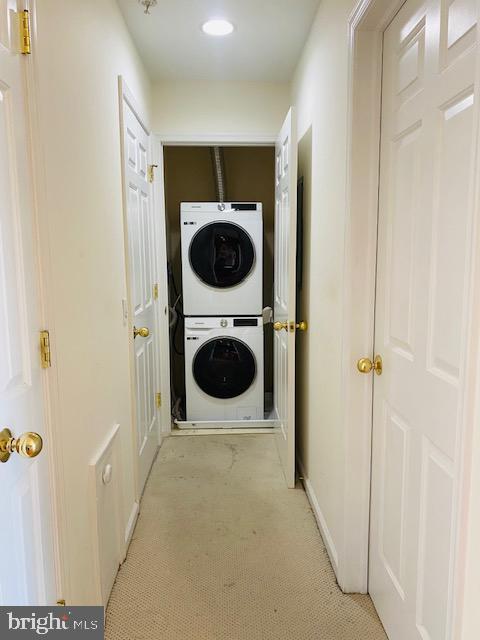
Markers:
point(290, 326)
point(28, 445)
point(365, 365)
point(143, 332)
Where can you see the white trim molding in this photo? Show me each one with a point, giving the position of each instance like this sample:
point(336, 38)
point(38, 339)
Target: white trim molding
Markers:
point(162, 307)
point(365, 34)
point(54, 431)
point(130, 528)
point(214, 139)
point(319, 517)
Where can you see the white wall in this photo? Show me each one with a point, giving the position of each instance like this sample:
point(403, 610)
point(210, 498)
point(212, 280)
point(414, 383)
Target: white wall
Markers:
point(220, 109)
point(319, 93)
point(82, 48)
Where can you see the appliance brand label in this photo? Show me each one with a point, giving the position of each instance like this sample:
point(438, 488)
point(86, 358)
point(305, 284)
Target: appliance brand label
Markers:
point(58, 622)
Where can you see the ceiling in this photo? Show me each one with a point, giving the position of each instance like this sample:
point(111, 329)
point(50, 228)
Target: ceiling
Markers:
point(265, 46)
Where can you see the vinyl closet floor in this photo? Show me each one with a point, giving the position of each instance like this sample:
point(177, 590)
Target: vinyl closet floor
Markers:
point(224, 551)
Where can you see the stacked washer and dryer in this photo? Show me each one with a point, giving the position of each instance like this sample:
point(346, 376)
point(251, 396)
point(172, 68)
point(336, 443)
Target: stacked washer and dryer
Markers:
point(222, 272)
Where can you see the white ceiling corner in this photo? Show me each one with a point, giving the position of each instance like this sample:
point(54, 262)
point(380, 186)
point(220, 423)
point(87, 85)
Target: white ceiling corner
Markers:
point(265, 47)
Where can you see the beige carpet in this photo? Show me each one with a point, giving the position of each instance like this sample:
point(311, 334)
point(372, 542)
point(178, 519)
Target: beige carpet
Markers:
point(223, 551)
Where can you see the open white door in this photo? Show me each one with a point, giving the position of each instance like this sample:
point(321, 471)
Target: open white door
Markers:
point(142, 271)
point(285, 293)
point(27, 573)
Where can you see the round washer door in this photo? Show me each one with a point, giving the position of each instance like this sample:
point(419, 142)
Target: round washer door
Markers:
point(224, 367)
point(222, 254)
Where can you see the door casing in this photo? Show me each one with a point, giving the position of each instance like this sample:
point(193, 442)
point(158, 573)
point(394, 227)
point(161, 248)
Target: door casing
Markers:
point(162, 316)
point(366, 26)
point(193, 140)
point(41, 239)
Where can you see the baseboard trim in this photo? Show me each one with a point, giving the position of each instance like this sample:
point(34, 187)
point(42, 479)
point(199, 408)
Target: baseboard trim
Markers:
point(132, 521)
point(319, 517)
point(238, 425)
point(218, 432)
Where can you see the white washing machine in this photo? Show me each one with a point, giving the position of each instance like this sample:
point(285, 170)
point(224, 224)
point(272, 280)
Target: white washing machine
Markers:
point(222, 258)
point(224, 368)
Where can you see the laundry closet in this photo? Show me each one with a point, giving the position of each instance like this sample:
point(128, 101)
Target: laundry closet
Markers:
point(212, 259)
point(219, 208)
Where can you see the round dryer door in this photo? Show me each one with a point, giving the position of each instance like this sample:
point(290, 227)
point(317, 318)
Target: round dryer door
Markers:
point(222, 254)
point(224, 367)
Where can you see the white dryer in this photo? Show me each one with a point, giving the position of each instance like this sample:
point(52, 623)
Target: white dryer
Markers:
point(222, 258)
point(224, 368)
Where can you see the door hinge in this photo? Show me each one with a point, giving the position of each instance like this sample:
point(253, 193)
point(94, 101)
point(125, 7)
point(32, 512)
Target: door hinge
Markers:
point(155, 291)
point(151, 172)
point(158, 400)
point(45, 355)
point(25, 36)
point(61, 603)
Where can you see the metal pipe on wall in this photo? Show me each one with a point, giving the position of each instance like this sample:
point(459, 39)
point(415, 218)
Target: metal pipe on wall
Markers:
point(218, 161)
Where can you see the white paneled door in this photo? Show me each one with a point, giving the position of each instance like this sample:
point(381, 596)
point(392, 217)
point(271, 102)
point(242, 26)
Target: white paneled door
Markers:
point(142, 271)
point(27, 575)
point(429, 168)
point(285, 293)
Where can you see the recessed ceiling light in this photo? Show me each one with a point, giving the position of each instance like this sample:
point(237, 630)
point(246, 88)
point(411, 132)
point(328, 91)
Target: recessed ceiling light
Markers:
point(217, 27)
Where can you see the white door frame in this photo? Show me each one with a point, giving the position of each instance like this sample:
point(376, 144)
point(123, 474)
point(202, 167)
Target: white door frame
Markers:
point(213, 140)
point(365, 33)
point(52, 420)
point(162, 315)
point(365, 30)
point(174, 140)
